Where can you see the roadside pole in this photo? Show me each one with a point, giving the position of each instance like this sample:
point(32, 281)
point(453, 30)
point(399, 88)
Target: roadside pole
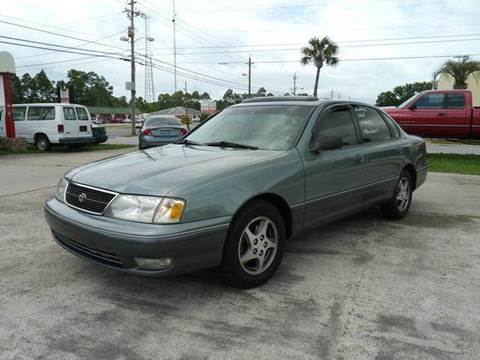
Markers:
point(131, 35)
point(249, 77)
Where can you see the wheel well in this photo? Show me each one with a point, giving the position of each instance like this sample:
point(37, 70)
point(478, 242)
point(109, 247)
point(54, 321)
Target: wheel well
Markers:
point(281, 206)
point(413, 173)
point(37, 135)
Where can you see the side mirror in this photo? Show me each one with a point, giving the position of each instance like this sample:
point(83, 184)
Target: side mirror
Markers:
point(325, 143)
point(413, 107)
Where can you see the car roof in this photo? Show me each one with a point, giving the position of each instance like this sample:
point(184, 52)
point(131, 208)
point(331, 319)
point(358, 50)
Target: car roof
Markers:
point(48, 104)
point(297, 101)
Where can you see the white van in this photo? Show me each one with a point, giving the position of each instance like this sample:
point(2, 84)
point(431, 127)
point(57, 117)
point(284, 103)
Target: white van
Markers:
point(46, 124)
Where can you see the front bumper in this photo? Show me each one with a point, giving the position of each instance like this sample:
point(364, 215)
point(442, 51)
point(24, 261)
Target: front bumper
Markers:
point(115, 243)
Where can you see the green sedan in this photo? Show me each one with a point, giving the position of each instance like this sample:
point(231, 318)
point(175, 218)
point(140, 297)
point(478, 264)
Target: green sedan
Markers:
point(236, 188)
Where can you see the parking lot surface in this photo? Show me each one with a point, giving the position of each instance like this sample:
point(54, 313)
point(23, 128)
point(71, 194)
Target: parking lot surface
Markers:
point(361, 288)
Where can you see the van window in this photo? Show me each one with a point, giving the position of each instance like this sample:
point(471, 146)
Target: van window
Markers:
point(69, 113)
point(19, 113)
point(372, 125)
point(41, 113)
point(82, 113)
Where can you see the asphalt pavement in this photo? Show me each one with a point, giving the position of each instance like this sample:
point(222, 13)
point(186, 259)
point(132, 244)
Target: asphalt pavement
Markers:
point(361, 288)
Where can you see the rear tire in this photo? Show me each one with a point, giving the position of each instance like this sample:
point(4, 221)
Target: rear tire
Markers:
point(42, 143)
point(254, 246)
point(399, 205)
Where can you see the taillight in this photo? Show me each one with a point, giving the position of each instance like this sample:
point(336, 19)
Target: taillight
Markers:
point(183, 131)
point(60, 128)
point(147, 132)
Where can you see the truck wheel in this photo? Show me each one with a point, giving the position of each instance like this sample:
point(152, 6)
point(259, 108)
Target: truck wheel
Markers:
point(397, 207)
point(42, 143)
point(254, 246)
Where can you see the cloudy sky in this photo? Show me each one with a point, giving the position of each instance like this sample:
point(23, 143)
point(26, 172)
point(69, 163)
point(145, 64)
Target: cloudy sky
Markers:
point(272, 32)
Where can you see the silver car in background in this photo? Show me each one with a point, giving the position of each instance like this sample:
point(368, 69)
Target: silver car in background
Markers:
point(160, 130)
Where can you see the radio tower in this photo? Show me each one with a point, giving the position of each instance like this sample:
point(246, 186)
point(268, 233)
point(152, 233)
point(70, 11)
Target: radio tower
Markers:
point(149, 82)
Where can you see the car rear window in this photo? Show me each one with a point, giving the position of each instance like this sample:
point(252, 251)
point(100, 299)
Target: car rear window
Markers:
point(82, 113)
point(41, 113)
point(159, 121)
point(69, 113)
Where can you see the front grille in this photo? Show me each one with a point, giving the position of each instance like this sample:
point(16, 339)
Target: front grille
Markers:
point(86, 198)
point(94, 254)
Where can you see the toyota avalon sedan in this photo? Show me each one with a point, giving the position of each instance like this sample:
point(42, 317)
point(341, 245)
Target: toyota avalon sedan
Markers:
point(236, 188)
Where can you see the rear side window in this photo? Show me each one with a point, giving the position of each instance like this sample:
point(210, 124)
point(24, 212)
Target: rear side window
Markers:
point(372, 125)
point(392, 125)
point(19, 113)
point(41, 113)
point(82, 113)
point(456, 101)
point(431, 101)
point(337, 122)
point(69, 113)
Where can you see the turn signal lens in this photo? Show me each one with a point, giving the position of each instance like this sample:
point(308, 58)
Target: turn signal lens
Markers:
point(183, 131)
point(169, 211)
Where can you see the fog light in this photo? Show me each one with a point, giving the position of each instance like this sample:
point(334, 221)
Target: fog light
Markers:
point(153, 264)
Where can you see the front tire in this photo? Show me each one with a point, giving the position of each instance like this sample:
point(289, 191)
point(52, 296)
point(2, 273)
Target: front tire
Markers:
point(42, 143)
point(254, 246)
point(399, 205)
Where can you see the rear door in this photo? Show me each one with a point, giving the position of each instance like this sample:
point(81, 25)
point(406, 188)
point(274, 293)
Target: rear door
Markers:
point(19, 116)
point(458, 116)
point(427, 117)
point(383, 152)
point(70, 121)
point(333, 178)
point(84, 122)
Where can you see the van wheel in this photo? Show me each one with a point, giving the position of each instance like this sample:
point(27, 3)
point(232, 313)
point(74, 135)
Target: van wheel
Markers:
point(42, 143)
point(397, 207)
point(254, 246)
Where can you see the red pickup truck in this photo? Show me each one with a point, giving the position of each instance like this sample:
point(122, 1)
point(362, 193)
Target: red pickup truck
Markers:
point(439, 114)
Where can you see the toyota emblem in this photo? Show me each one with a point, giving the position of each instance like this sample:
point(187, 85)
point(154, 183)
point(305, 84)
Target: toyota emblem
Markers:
point(82, 197)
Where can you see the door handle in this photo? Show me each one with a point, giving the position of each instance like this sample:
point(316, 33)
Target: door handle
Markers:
point(441, 114)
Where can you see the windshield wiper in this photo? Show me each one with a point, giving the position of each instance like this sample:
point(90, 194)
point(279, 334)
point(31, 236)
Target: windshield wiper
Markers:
point(188, 142)
point(232, 145)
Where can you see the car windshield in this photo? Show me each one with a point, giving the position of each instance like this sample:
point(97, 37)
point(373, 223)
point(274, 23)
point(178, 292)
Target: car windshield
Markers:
point(162, 121)
point(272, 127)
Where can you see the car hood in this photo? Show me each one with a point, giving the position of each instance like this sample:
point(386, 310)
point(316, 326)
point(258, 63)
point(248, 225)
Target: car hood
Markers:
point(159, 170)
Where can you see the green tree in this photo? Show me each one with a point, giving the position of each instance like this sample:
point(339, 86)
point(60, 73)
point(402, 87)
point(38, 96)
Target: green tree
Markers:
point(320, 53)
point(205, 96)
point(17, 90)
point(460, 70)
point(44, 89)
point(90, 88)
point(399, 94)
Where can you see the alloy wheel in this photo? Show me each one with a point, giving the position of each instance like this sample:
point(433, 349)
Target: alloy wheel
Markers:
point(403, 194)
point(258, 245)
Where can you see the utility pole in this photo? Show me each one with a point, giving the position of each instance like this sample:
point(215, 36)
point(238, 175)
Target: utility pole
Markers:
point(149, 81)
point(174, 46)
point(186, 108)
point(131, 13)
point(294, 84)
point(249, 77)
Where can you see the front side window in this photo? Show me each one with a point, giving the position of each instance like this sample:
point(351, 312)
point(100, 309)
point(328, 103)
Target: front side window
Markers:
point(82, 114)
point(337, 122)
point(430, 101)
point(69, 113)
point(372, 125)
point(19, 113)
point(456, 101)
point(41, 113)
point(272, 127)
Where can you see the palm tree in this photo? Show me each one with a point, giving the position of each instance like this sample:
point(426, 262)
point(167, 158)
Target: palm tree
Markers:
point(320, 52)
point(460, 70)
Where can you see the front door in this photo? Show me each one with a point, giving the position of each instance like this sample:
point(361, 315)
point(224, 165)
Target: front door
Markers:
point(333, 178)
point(427, 116)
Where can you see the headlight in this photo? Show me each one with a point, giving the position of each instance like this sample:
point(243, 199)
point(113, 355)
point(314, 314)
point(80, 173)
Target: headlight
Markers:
point(61, 188)
point(147, 209)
